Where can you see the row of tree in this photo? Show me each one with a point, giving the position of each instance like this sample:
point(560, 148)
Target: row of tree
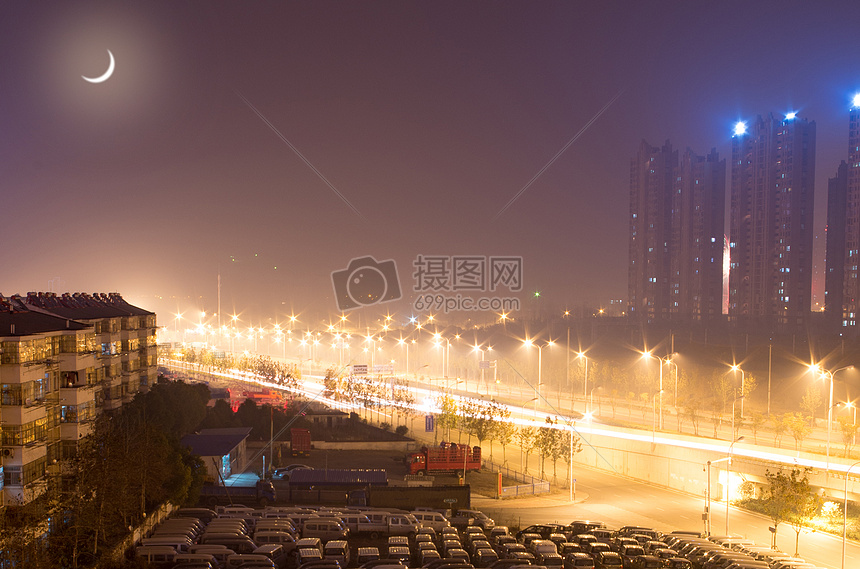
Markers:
point(130, 464)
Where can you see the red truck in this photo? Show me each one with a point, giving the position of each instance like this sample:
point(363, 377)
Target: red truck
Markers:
point(451, 458)
point(300, 442)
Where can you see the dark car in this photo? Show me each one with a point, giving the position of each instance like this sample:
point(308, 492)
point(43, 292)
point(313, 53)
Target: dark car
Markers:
point(646, 562)
point(585, 526)
point(608, 560)
point(508, 563)
point(544, 530)
point(595, 547)
point(578, 560)
point(629, 553)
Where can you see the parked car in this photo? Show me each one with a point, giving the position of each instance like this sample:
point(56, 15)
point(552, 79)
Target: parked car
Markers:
point(608, 560)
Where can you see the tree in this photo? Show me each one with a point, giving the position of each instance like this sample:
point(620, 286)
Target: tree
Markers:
point(506, 432)
point(779, 428)
point(849, 434)
point(479, 418)
point(799, 428)
point(448, 417)
point(692, 406)
point(549, 441)
point(811, 401)
point(750, 383)
point(789, 497)
point(527, 439)
point(757, 421)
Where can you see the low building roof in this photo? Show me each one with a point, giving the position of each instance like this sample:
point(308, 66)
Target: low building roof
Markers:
point(215, 442)
point(338, 477)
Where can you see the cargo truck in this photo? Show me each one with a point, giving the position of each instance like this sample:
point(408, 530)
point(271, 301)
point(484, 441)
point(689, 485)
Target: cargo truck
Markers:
point(300, 442)
point(451, 458)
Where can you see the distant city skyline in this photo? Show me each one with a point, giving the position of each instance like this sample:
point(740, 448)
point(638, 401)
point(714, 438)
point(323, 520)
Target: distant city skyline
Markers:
point(230, 141)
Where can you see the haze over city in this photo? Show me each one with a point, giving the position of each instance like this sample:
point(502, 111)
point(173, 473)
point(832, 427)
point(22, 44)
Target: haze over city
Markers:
point(273, 143)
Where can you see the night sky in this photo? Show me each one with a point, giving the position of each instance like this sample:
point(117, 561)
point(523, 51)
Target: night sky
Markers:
point(426, 117)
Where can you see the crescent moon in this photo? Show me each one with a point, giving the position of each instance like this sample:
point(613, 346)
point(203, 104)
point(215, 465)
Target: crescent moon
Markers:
point(106, 75)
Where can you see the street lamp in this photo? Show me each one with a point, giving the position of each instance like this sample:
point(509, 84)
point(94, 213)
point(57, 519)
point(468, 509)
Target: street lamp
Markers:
point(663, 361)
point(733, 413)
point(654, 415)
point(743, 393)
point(845, 511)
point(853, 407)
point(675, 396)
point(581, 356)
point(540, 348)
point(728, 480)
point(828, 374)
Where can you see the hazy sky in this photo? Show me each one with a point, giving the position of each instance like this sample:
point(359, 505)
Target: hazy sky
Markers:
point(426, 117)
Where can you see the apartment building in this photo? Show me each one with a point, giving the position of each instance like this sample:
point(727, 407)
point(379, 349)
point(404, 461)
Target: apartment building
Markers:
point(63, 359)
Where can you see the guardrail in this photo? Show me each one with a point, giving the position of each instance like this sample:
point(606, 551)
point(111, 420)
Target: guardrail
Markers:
point(530, 486)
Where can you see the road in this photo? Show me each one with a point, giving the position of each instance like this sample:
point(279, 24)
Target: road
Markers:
point(619, 501)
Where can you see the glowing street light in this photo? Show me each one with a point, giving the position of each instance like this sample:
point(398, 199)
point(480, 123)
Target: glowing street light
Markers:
point(663, 361)
point(581, 356)
point(816, 368)
point(529, 343)
point(740, 128)
point(743, 391)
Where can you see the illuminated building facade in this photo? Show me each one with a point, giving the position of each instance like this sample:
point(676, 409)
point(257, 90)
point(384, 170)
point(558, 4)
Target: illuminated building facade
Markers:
point(842, 287)
point(771, 236)
point(676, 235)
point(835, 284)
point(698, 231)
point(63, 360)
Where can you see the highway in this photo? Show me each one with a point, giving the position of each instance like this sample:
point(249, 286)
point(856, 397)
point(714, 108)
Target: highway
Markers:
point(619, 501)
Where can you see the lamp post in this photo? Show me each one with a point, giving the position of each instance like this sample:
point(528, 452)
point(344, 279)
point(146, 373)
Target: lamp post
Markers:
point(675, 396)
point(829, 375)
point(654, 415)
point(478, 350)
point(845, 511)
point(403, 342)
point(663, 361)
point(581, 356)
point(743, 393)
point(733, 413)
point(728, 479)
point(540, 364)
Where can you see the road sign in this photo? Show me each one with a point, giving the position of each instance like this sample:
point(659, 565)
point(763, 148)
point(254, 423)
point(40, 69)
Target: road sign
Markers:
point(429, 423)
point(484, 364)
point(450, 500)
point(359, 369)
point(383, 368)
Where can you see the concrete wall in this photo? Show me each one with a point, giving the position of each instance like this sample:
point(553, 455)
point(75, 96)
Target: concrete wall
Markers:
point(685, 469)
point(400, 446)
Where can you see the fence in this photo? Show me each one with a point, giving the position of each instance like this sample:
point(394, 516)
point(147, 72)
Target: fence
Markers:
point(530, 486)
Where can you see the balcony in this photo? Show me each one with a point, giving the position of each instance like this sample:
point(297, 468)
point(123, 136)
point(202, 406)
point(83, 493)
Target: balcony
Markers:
point(75, 431)
point(77, 395)
point(77, 361)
